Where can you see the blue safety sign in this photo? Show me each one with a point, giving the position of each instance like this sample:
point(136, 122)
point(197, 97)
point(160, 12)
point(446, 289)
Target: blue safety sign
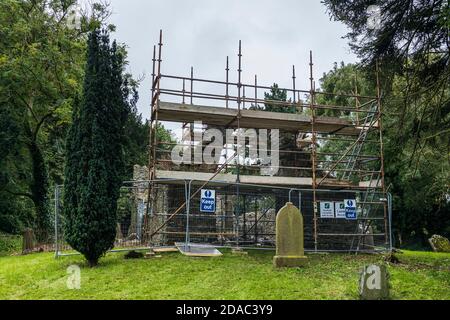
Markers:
point(350, 209)
point(208, 200)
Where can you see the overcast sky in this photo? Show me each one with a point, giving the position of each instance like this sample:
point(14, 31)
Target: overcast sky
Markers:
point(201, 33)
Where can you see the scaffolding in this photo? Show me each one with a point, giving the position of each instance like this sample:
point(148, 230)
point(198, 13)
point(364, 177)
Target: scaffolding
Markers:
point(309, 117)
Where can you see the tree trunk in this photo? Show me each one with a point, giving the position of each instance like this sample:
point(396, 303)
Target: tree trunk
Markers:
point(92, 263)
point(28, 241)
point(39, 192)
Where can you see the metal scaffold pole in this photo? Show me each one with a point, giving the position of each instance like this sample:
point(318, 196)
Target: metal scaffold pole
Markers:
point(150, 140)
point(56, 221)
point(313, 148)
point(151, 197)
point(347, 166)
point(238, 160)
point(293, 84)
point(227, 70)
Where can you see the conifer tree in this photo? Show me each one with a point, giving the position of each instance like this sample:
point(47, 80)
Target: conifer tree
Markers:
point(94, 163)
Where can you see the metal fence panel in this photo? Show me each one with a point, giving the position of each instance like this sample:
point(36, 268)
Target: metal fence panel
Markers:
point(162, 212)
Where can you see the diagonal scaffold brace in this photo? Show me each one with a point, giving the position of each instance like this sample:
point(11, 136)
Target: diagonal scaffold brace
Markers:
point(178, 210)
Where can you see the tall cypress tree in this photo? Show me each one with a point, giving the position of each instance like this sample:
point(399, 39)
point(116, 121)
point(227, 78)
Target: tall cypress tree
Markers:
point(94, 164)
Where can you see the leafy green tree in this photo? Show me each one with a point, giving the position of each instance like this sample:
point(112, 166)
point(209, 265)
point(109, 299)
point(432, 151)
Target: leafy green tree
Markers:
point(398, 32)
point(136, 143)
point(342, 81)
point(417, 161)
point(95, 164)
point(410, 41)
point(276, 101)
point(41, 67)
point(290, 160)
point(13, 209)
point(419, 185)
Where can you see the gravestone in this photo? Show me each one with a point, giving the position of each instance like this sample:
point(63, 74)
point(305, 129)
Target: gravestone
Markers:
point(374, 283)
point(289, 238)
point(238, 251)
point(151, 254)
point(439, 243)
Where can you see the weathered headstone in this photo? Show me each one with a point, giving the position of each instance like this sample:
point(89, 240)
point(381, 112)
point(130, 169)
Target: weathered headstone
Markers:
point(289, 238)
point(374, 283)
point(439, 243)
point(238, 251)
point(151, 254)
point(367, 242)
point(132, 237)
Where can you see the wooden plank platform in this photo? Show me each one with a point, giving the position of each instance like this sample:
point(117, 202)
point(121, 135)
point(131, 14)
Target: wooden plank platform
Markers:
point(178, 112)
point(197, 250)
point(246, 179)
point(165, 249)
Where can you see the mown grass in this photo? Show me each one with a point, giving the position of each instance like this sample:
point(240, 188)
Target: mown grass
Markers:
point(420, 275)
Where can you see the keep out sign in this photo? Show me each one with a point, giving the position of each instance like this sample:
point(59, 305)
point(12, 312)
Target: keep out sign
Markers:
point(208, 200)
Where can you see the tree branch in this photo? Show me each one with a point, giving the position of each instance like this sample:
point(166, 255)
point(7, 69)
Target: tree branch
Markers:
point(22, 194)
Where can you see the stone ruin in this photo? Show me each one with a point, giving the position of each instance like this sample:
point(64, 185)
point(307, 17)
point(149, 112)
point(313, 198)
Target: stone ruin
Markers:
point(257, 228)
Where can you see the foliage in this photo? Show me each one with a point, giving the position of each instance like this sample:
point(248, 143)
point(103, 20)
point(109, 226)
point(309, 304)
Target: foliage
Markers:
point(274, 103)
point(419, 185)
point(14, 210)
point(417, 154)
point(407, 31)
point(165, 140)
point(411, 44)
point(41, 67)
point(136, 142)
point(344, 80)
point(336, 87)
point(420, 275)
point(9, 244)
point(95, 165)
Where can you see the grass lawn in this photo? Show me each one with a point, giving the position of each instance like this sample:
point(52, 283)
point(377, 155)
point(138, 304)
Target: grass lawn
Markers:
point(419, 275)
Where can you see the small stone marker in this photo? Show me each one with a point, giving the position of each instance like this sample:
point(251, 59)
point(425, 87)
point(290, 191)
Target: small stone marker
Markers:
point(289, 238)
point(439, 243)
point(238, 251)
point(374, 283)
point(151, 254)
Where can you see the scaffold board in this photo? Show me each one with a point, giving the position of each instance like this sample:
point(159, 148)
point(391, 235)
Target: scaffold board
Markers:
point(197, 250)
